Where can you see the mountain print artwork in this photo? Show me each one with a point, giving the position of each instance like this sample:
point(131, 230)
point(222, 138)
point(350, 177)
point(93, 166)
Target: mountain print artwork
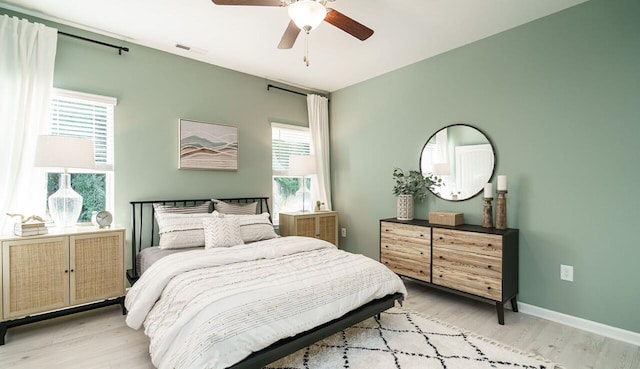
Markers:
point(208, 146)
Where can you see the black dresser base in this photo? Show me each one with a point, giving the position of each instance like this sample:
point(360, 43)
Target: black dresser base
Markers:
point(500, 309)
point(499, 304)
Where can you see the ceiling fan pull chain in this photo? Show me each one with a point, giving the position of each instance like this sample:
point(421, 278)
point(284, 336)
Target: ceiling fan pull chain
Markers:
point(306, 49)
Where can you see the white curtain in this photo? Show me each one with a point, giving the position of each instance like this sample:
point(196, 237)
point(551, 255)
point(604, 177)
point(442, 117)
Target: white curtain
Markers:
point(442, 147)
point(27, 57)
point(318, 108)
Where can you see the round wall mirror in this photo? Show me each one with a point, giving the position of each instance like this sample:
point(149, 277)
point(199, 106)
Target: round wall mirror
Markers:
point(463, 157)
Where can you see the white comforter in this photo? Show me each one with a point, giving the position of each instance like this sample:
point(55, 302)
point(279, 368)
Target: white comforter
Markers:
point(212, 308)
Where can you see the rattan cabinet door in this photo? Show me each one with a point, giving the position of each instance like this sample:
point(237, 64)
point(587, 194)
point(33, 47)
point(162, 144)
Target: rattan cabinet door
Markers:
point(306, 226)
point(35, 276)
point(328, 228)
point(97, 266)
point(322, 225)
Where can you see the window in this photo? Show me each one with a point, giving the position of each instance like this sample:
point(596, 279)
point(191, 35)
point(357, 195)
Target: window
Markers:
point(287, 140)
point(87, 116)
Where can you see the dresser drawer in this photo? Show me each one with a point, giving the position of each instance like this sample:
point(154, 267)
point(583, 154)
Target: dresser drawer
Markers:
point(479, 243)
point(408, 267)
point(477, 264)
point(490, 288)
point(408, 248)
point(406, 233)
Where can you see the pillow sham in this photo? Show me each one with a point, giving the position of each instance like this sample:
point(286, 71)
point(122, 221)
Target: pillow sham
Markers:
point(181, 230)
point(235, 208)
point(221, 232)
point(190, 209)
point(253, 228)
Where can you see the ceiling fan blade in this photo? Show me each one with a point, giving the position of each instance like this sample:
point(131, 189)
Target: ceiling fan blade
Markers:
point(348, 25)
point(289, 37)
point(249, 2)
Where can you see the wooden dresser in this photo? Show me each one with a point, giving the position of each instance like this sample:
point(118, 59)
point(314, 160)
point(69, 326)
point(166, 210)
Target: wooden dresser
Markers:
point(467, 259)
point(321, 224)
point(61, 273)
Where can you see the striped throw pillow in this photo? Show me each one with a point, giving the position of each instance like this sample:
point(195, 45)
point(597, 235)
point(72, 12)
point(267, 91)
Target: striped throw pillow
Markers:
point(181, 226)
point(235, 208)
point(181, 230)
point(253, 228)
point(168, 209)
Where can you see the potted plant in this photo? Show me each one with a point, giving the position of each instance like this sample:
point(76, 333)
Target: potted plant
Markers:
point(409, 187)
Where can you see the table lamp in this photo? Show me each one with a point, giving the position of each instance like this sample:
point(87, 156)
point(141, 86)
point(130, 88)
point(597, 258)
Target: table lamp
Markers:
point(64, 152)
point(302, 165)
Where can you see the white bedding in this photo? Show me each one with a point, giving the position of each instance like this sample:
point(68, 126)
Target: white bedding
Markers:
point(212, 308)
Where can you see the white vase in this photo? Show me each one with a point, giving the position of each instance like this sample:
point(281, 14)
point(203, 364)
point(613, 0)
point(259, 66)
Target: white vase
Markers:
point(65, 204)
point(404, 207)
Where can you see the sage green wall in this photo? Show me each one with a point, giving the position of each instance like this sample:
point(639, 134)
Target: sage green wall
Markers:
point(154, 89)
point(560, 99)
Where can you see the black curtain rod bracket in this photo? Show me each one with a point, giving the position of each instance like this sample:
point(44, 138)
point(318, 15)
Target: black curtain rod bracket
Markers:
point(270, 86)
point(120, 48)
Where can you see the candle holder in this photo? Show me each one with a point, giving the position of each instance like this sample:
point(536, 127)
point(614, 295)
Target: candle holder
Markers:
point(501, 210)
point(487, 214)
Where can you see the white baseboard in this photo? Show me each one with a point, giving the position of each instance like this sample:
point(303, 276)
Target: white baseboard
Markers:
point(584, 324)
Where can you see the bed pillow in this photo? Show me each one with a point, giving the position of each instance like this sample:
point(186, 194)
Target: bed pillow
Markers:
point(181, 230)
point(235, 208)
point(253, 228)
point(166, 209)
point(221, 232)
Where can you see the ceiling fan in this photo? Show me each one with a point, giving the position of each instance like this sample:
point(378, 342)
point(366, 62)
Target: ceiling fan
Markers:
point(306, 15)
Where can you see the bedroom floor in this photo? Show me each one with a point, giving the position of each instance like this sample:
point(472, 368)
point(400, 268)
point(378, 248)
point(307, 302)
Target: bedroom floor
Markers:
point(100, 339)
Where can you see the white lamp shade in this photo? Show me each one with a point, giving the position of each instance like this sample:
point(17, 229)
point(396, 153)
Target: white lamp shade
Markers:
point(307, 14)
point(64, 152)
point(302, 165)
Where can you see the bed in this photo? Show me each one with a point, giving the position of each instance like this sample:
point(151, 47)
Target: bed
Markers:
point(271, 297)
point(144, 229)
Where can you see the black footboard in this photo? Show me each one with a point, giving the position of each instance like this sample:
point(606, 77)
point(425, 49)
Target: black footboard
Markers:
point(290, 345)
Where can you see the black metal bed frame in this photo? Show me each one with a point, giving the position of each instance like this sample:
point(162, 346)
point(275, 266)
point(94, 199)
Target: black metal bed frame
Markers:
point(283, 347)
point(139, 223)
point(290, 345)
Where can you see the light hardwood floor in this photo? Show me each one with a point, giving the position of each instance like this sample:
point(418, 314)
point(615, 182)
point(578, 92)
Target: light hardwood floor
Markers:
point(100, 339)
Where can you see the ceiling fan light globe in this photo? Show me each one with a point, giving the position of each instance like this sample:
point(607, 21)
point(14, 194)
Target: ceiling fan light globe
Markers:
point(307, 14)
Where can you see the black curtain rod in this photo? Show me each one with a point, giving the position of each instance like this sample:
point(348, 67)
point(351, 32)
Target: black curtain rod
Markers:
point(270, 86)
point(120, 48)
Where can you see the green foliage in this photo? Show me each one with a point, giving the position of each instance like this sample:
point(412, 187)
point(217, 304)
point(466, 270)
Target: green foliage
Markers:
point(414, 183)
point(91, 186)
point(288, 185)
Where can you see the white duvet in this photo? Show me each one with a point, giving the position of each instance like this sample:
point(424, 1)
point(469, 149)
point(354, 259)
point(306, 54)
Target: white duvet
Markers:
point(212, 308)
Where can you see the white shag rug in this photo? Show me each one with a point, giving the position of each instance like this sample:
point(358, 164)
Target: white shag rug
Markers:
point(401, 339)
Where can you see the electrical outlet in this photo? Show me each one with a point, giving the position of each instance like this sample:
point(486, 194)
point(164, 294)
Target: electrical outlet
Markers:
point(566, 272)
point(343, 232)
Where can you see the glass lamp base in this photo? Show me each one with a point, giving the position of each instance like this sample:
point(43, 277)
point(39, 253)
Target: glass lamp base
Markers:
point(65, 204)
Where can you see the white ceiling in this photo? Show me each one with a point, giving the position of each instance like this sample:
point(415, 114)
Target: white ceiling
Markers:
point(245, 38)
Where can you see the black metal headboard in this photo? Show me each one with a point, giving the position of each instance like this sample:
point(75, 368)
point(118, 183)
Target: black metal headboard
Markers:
point(144, 232)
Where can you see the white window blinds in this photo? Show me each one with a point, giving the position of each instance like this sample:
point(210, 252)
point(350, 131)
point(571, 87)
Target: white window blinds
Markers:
point(286, 141)
point(88, 116)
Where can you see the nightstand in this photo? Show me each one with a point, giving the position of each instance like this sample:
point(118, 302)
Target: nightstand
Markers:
point(321, 224)
point(60, 273)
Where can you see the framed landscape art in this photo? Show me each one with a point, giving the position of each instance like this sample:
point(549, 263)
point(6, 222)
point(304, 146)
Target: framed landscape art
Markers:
point(207, 146)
